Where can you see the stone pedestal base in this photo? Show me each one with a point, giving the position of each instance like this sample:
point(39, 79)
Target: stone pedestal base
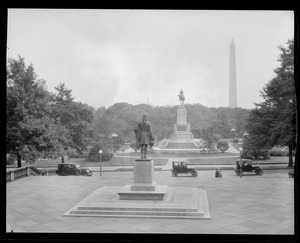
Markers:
point(144, 187)
point(179, 203)
point(143, 175)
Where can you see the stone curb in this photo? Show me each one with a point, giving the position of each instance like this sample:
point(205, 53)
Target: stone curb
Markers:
point(161, 168)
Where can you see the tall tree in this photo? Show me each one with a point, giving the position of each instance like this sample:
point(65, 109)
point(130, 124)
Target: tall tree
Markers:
point(273, 121)
point(30, 128)
point(40, 123)
point(74, 116)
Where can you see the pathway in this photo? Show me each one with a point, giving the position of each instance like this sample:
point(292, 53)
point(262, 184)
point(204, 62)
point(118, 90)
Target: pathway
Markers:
point(232, 149)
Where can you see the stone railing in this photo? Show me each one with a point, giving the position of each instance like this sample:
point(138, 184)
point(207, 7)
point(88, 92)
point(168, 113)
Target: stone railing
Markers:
point(22, 173)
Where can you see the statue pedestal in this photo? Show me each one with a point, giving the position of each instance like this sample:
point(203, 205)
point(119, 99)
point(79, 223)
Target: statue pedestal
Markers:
point(144, 187)
point(182, 129)
point(143, 175)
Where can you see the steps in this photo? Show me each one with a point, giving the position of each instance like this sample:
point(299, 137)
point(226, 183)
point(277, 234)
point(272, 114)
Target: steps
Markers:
point(177, 145)
point(180, 203)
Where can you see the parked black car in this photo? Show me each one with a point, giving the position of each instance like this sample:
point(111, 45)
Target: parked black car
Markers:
point(72, 169)
point(180, 167)
point(245, 165)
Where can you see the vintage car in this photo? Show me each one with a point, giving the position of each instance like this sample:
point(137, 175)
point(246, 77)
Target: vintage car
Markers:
point(180, 167)
point(245, 165)
point(72, 169)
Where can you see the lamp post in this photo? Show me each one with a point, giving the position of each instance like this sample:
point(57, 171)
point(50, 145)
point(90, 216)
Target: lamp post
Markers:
point(246, 134)
point(241, 171)
point(114, 136)
point(100, 153)
point(233, 131)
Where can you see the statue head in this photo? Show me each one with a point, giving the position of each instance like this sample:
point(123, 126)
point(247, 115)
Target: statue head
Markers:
point(144, 117)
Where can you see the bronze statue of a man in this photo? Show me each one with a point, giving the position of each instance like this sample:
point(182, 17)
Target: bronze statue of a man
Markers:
point(144, 136)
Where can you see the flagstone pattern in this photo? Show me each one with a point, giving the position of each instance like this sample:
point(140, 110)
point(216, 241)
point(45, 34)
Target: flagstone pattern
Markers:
point(248, 205)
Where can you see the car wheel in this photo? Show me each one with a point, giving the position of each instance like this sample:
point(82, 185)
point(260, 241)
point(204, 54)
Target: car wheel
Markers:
point(259, 171)
point(194, 174)
point(77, 172)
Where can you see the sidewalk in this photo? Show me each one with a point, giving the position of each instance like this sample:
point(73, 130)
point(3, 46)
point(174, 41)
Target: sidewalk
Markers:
point(168, 167)
point(249, 205)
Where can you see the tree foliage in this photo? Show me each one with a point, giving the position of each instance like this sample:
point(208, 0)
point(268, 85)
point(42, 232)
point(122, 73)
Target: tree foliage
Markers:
point(44, 124)
point(122, 118)
point(74, 116)
point(40, 123)
point(273, 121)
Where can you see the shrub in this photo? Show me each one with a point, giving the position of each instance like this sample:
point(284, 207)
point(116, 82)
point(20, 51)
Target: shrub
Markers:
point(75, 154)
point(278, 152)
point(29, 154)
point(223, 146)
point(10, 159)
point(93, 154)
point(255, 154)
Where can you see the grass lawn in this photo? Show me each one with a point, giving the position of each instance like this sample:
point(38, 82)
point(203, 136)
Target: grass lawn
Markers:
point(115, 161)
point(213, 161)
point(159, 160)
point(231, 161)
point(155, 155)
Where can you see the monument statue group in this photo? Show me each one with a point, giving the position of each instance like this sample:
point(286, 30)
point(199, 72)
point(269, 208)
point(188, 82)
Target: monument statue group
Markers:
point(144, 198)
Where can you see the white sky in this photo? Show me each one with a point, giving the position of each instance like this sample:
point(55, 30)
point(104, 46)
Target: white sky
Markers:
point(109, 56)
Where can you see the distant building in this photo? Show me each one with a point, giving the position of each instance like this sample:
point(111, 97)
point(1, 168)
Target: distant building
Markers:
point(232, 76)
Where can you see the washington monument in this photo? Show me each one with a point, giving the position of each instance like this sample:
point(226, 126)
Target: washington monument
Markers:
point(232, 76)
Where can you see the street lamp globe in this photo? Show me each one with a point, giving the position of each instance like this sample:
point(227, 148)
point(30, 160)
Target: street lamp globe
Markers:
point(100, 152)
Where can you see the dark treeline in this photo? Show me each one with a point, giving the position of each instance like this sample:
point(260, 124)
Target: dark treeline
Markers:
point(121, 118)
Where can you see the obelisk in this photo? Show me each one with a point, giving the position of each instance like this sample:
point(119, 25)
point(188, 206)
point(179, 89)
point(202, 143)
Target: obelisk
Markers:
point(232, 76)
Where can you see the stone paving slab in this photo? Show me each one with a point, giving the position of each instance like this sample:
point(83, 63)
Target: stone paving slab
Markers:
point(249, 205)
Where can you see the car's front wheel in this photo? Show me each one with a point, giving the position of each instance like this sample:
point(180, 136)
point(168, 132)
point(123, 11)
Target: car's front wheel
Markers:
point(77, 172)
point(194, 174)
point(259, 171)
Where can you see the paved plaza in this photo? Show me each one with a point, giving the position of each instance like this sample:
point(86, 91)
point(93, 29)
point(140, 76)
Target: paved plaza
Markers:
point(249, 205)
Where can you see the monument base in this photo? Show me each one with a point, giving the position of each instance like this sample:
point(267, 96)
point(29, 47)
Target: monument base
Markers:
point(179, 203)
point(144, 188)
